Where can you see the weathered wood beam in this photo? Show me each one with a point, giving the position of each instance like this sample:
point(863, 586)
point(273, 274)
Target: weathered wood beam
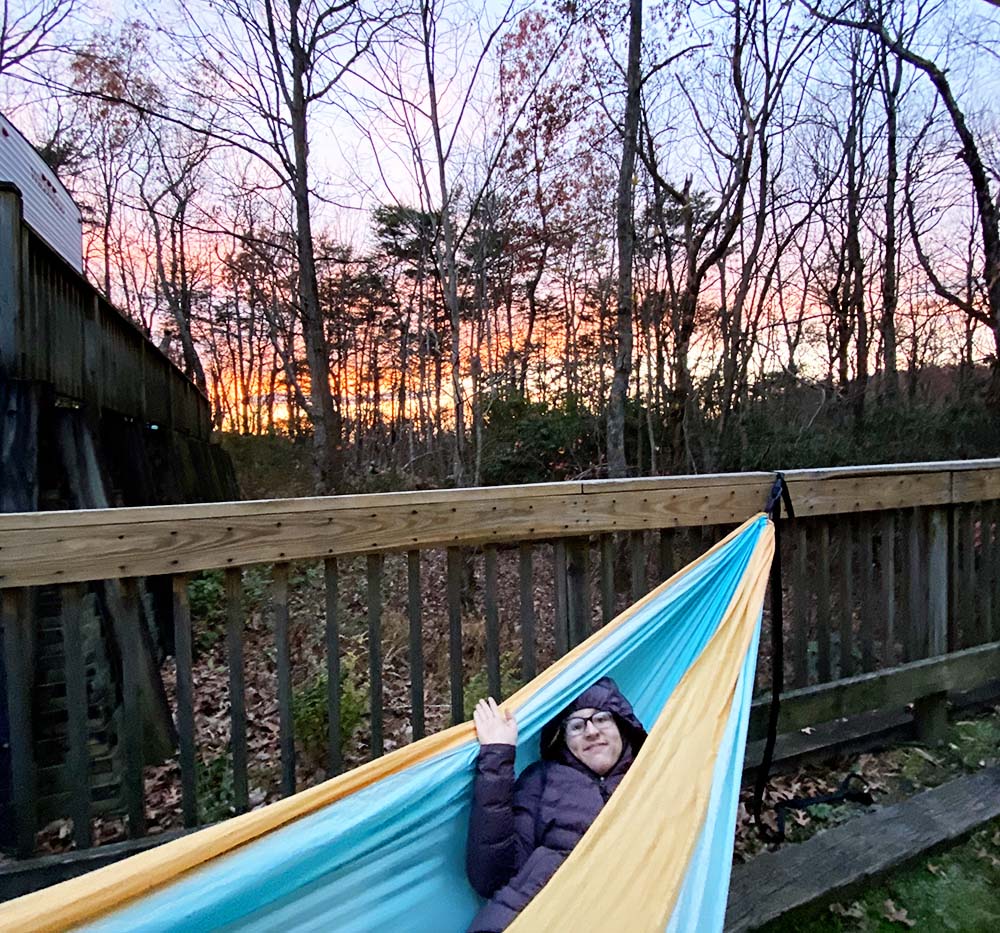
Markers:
point(831, 864)
point(886, 689)
point(62, 547)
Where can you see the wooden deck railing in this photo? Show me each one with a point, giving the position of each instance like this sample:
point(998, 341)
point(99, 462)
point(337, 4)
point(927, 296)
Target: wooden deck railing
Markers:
point(884, 566)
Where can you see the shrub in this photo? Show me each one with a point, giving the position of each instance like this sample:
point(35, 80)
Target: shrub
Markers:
point(310, 711)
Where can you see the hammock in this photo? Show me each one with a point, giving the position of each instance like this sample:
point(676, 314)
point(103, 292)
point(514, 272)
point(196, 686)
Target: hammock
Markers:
point(382, 848)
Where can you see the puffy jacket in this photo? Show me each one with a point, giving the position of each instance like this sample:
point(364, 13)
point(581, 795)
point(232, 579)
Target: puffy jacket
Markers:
point(521, 831)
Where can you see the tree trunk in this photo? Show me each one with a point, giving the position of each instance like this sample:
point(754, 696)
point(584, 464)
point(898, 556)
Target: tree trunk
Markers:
point(617, 466)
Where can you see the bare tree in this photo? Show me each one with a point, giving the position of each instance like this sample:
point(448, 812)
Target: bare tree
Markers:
point(29, 30)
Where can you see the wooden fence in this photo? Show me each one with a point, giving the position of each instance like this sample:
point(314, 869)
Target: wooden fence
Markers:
point(57, 329)
point(885, 568)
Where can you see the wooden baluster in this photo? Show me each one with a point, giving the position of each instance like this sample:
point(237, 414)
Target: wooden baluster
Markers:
point(286, 724)
point(131, 647)
point(917, 602)
point(607, 578)
point(668, 565)
point(492, 623)
point(984, 582)
point(77, 710)
point(967, 581)
point(801, 591)
point(994, 574)
point(887, 580)
point(823, 614)
point(846, 587)
point(868, 616)
point(185, 699)
point(560, 600)
point(455, 635)
point(374, 563)
point(637, 560)
point(578, 586)
point(331, 592)
point(414, 608)
point(527, 614)
point(237, 689)
point(18, 655)
point(937, 583)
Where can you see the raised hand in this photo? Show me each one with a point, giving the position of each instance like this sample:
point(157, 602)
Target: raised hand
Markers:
point(494, 726)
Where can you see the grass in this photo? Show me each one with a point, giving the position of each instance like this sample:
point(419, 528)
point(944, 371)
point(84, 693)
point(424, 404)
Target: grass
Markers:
point(958, 889)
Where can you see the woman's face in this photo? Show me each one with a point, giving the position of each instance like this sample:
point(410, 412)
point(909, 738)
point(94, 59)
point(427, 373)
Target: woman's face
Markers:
point(598, 744)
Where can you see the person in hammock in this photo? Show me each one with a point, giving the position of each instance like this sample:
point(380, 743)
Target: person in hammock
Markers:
point(521, 831)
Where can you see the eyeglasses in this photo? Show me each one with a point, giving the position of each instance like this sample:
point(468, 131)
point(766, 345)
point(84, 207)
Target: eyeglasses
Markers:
point(577, 725)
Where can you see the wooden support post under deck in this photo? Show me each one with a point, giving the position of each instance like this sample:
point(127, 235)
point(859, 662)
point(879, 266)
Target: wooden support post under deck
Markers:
point(77, 707)
point(930, 713)
point(286, 725)
point(185, 699)
point(18, 656)
point(237, 690)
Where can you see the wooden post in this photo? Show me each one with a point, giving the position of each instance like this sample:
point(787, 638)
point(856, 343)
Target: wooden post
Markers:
point(18, 658)
point(527, 593)
point(578, 590)
point(334, 760)
point(185, 699)
point(414, 609)
point(237, 690)
point(10, 277)
point(286, 724)
point(132, 726)
point(560, 600)
point(492, 623)
point(937, 580)
point(607, 578)
point(374, 574)
point(930, 713)
point(456, 676)
point(77, 706)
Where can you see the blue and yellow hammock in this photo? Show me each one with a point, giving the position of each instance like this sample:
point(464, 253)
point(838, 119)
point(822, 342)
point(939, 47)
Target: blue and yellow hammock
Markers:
point(382, 848)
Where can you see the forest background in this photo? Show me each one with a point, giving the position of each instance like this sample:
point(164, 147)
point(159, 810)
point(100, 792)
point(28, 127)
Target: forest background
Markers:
point(445, 242)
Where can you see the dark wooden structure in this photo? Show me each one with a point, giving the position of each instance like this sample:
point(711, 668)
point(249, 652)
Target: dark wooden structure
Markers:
point(892, 591)
point(92, 415)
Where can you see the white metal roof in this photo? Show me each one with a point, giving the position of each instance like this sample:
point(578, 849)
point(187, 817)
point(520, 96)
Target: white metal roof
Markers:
point(49, 209)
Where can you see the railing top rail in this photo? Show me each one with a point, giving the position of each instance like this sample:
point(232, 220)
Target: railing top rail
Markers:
point(51, 547)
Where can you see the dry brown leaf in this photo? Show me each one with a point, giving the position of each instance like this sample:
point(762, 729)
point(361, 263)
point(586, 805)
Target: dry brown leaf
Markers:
point(895, 914)
point(855, 911)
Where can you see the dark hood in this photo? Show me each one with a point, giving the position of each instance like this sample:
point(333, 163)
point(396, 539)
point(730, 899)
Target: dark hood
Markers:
point(604, 694)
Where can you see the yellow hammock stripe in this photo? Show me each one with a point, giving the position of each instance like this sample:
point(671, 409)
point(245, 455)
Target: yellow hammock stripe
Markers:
point(629, 867)
point(88, 897)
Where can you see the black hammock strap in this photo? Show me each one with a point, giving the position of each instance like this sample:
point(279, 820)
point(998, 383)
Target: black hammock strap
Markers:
point(779, 494)
point(853, 788)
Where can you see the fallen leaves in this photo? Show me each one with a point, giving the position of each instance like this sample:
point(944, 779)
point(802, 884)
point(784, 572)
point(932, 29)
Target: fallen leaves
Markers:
point(895, 914)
